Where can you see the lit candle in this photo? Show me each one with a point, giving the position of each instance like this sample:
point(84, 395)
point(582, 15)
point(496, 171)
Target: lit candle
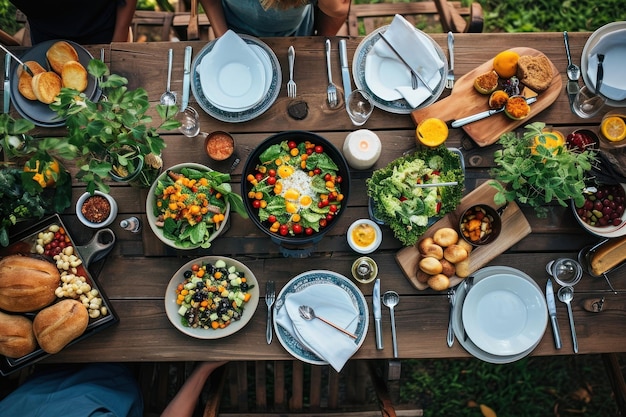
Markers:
point(362, 149)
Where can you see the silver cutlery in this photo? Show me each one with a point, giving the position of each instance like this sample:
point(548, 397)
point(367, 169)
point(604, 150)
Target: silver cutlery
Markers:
point(168, 98)
point(451, 299)
point(331, 90)
point(186, 77)
point(566, 294)
point(308, 313)
point(270, 297)
point(552, 313)
point(413, 72)
point(377, 314)
point(467, 286)
point(450, 77)
point(573, 70)
point(291, 84)
point(7, 83)
point(19, 61)
point(345, 70)
point(391, 299)
point(483, 115)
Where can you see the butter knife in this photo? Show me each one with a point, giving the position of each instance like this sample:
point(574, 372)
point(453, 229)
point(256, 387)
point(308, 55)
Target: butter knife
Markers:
point(552, 313)
point(345, 70)
point(482, 115)
point(376, 308)
point(450, 335)
point(186, 75)
point(7, 82)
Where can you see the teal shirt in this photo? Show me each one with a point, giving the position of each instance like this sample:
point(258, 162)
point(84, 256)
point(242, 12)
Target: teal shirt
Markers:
point(249, 17)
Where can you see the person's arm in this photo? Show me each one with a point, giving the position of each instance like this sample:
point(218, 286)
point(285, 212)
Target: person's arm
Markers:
point(184, 403)
point(215, 14)
point(125, 14)
point(331, 15)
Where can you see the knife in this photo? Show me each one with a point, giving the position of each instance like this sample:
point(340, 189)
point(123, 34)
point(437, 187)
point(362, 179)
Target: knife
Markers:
point(482, 115)
point(345, 71)
point(186, 74)
point(552, 312)
point(378, 324)
point(450, 335)
point(7, 84)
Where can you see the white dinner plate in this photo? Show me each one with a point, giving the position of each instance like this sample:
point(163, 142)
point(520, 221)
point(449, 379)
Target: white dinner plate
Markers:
point(383, 75)
point(171, 307)
point(232, 75)
point(306, 280)
point(610, 40)
point(457, 318)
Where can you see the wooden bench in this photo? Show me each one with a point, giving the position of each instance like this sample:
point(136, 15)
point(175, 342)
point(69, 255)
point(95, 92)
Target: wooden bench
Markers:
point(451, 15)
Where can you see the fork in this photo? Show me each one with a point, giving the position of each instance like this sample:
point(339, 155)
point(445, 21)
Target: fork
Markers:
point(270, 297)
point(450, 77)
point(291, 85)
point(331, 90)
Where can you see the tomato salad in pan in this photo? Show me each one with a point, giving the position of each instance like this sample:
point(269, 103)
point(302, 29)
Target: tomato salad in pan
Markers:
point(296, 188)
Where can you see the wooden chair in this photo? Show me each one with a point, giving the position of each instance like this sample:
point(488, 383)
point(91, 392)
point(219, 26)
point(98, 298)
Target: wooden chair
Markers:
point(451, 14)
point(145, 19)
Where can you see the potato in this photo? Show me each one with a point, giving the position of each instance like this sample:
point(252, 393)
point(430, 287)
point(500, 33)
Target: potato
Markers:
point(428, 247)
point(431, 266)
point(439, 282)
point(446, 236)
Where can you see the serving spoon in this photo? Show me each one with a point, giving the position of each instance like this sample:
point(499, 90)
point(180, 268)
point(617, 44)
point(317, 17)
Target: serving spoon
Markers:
point(307, 313)
point(573, 70)
point(566, 295)
point(168, 98)
point(391, 299)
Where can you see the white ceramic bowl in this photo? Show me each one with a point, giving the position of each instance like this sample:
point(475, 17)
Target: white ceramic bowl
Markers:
point(105, 222)
point(603, 231)
point(151, 202)
point(378, 238)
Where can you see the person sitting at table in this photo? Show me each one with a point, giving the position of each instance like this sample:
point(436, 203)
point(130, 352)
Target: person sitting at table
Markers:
point(97, 390)
point(267, 18)
point(93, 22)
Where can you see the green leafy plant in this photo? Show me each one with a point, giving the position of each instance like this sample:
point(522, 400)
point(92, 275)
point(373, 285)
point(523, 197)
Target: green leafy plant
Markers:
point(532, 171)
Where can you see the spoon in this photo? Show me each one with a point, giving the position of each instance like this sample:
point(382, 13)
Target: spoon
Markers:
point(168, 98)
point(573, 71)
point(566, 294)
point(391, 299)
point(307, 313)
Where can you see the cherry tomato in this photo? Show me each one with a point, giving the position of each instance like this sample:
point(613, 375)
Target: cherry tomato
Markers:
point(333, 208)
point(258, 176)
point(338, 179)
point(309, 151)
point(291, 144)
point(319, 149)
point(329, 217)
point(328, 177)
point(271, 172)
point(323, 222)
point(271, 218)
point(271, 180)
point(308, 231)
point(283, 229)
point(317, 171)
point(256, 204)
point(297, 228)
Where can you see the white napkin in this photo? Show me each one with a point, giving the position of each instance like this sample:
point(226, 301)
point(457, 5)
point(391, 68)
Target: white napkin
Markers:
point(331, 303)
point(389, 78)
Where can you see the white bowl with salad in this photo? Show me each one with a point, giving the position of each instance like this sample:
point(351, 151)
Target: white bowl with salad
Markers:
point(188, 206)
point(211, 297)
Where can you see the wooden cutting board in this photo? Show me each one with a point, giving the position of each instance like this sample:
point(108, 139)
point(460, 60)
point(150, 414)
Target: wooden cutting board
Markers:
point(464, 101)
point(514, 228)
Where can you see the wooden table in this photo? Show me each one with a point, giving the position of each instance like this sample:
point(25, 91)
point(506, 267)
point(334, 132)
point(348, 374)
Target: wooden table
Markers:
point(139, 268)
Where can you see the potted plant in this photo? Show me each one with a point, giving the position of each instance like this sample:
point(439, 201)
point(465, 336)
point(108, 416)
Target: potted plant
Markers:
point(111, 138)
point(537, 168)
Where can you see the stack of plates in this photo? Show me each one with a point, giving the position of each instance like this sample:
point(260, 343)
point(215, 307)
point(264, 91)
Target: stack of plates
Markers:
point(380, 76)
point(609, 40)
point(504, 314)
point(236, 78)
point(35, 111)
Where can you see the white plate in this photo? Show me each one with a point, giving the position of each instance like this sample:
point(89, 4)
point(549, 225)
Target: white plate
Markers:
point(318, 277)
point(610, 39)
point(232, 75)
point(383, 75)
point(457, 319)
point(504, 314)
point(171, 308)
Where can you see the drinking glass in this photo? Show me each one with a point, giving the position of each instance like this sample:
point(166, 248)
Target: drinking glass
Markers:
point(189, 122)
point(359, 106)
point(587, 103)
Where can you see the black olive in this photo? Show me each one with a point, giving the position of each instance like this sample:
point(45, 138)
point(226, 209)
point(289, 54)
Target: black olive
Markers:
point(210, 269)
point(244, 286)
point(198, 296)
point(200, 285)
point(187, 273)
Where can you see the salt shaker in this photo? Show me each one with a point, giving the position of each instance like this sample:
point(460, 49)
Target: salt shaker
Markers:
point(132, 224)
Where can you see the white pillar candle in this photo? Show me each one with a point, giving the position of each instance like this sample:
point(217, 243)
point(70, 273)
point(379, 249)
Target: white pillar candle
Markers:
point(362, 149)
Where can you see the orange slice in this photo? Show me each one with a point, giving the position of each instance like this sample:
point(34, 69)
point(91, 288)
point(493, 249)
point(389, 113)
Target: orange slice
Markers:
point(613, 128)
point(432, 132)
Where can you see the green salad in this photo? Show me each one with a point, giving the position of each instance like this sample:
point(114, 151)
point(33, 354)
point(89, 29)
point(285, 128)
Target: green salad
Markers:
point(404, 206)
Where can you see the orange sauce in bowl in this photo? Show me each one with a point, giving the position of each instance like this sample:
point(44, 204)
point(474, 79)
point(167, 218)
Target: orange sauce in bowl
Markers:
point(219, 146)
point(363, 235)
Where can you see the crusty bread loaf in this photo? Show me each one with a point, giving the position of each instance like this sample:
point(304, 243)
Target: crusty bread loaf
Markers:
point(27, 284)
point(59, 53)
point(534, 72)
point(59, 324)
point(46, 86)
point(74, 75)
point(25, 80)
point(16, 336)
point(608, 255)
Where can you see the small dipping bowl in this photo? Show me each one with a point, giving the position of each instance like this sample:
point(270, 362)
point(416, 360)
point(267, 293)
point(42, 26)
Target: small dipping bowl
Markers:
point(480, 225)
point(364, 270)
point(364, 236)
point(588, 142)
point(97, 210)
point(219, 145)
point(565, 271)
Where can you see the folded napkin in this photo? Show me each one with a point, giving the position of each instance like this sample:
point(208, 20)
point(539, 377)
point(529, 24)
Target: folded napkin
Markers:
point(335, 305)
point(389, 78)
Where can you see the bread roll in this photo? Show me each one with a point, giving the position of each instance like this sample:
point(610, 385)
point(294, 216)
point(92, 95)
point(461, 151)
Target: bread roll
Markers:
point(59, 324)
point(465, 245)
point(462, 269)
point(608, 255)
point(27, 284)
point(431, 266)
point(428, 247)
point(25, 80)
point(446, 236)
point(74, 75)
point(439, 282)
point(46, 86)
point(535, 72)
point(16, 336)
point(60, 53)
point(454, 254)
point(448, 268)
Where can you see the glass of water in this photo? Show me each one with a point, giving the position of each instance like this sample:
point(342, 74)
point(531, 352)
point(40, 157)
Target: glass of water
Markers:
point(587, 103)
point(189, 122)
point(359, 106)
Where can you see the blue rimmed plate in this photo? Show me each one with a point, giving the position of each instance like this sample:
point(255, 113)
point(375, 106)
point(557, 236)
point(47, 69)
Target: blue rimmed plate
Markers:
point(306, 280)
